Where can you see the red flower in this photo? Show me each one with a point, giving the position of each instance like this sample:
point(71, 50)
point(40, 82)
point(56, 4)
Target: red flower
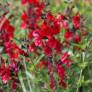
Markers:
point(47, 50)
point(54, 43)
point(61, 71)
point(76, 21)
point(65, 59)
point(12, 50)
point(5, 74)
point(37, 38)
point(68, 36)
point(45, 30)
point(24, 17)
point(60, 17)
point(55, 29)
point(64, 56)
point(14, 67)
point(23, 25)
point(50, 17)
point(14, 85)
point(61, 74)
point(50, 26)
point(65, 25)
point(7, 30)
point(35, 33)
point(77, 38)
point(32, 47)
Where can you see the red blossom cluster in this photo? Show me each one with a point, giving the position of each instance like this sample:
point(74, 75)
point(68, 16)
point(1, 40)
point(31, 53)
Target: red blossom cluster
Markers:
point(43, 28)
point(6, 29)
point(9, 67)
point(9, 72)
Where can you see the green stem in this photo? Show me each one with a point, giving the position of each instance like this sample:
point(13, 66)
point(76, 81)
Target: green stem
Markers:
point(81, 71)
point(28, 81)
point(22, 83)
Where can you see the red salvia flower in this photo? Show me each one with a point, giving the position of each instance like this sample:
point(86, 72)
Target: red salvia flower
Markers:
point(32, 47)
point(65, 59)
point(76, 21)
point(65, 25)
point(69, 36)
point(61, 72)
point(7, 30)
point(14, 67)
point(54, 43)
point(38, 42)
point(14, 85)
point(5, 74)
point(47, 50)
point(12, 50)
point(77, 38)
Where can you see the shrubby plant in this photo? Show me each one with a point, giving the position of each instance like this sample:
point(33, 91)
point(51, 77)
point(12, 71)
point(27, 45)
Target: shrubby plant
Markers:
point(43, 50)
